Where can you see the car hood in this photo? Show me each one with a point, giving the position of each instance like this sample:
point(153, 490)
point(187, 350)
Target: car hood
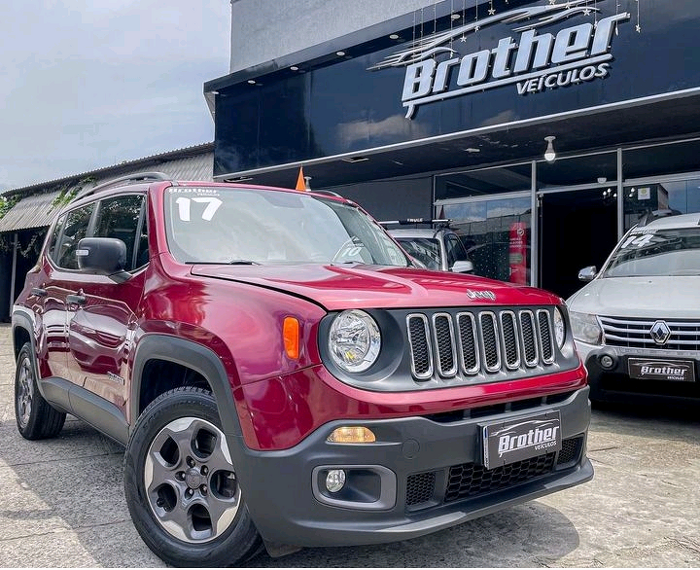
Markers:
point(360, 286)
point(654, 296)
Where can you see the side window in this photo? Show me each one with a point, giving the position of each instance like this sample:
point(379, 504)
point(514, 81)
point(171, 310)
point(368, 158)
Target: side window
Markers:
point(455, 250)
point(74, 230)
point(53, 240)
point(119, 217)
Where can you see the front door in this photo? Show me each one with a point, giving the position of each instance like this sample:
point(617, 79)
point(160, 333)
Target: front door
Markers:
point(577, 228)
point(102, 319)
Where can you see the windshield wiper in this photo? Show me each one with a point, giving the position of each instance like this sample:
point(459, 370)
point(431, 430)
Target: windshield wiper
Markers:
point(232, 262)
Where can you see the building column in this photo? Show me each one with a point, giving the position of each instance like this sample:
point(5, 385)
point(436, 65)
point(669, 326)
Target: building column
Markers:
point(15, 247)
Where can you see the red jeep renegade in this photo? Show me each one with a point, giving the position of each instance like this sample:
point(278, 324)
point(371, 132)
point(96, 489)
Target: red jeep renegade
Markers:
point(281, 374)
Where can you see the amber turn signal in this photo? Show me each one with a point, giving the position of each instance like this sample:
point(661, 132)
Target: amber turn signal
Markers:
point(290, 333)
point(354, 434)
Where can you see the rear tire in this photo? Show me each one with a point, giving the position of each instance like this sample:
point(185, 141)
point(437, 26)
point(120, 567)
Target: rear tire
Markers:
point(181, 487)
point(36, 419)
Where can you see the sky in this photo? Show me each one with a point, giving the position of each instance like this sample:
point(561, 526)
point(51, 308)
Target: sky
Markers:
point(86, 84)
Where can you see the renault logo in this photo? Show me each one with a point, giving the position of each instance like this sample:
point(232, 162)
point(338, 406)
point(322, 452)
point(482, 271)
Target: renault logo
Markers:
point(660, 332)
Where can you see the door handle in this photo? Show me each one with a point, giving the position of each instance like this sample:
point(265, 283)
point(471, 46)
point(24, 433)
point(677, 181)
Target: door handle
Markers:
point(76, 299)
point(37, 292)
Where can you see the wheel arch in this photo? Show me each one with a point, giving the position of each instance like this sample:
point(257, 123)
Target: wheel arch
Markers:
point(22, 328)
point(189, 355)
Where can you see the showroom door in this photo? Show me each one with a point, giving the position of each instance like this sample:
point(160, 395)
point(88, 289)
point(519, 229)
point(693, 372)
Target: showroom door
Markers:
point(577, 228)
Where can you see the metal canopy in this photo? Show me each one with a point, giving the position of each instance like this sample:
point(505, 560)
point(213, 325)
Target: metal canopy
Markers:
point(35, 211)
point(606, 128)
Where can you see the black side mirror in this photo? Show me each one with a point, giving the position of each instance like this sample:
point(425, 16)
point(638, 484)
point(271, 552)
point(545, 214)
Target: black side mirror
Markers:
point(102, 256)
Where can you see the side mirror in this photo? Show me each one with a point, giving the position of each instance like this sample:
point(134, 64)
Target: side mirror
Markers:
point(102, 256)
point(463, 267)
point(588, 273)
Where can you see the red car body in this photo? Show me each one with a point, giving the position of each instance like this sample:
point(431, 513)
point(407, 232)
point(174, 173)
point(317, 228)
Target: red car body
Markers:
point(102, 348)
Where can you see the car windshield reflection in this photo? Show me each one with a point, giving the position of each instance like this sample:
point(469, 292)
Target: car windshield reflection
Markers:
point(667, 252)
point(251, 227)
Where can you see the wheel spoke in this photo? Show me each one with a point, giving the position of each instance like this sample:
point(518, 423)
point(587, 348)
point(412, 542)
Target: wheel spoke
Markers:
point(190, 481)
point(222, 511)
point(25, 392)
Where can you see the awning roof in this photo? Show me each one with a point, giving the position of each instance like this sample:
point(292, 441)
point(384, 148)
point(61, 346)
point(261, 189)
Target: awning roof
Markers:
point(35, 211)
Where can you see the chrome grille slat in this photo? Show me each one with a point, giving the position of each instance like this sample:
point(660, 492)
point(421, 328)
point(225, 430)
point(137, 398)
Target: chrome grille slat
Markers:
point(468, 343)
point(545, 334)
point(527, 327)
point(511, 345)
point(481, 342)
point(418, 340)
point(490, 345)
point(445, 345)
point(636, 333)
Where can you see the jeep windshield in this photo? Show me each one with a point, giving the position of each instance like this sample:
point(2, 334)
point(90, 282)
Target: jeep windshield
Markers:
point(662, 252)
point(259, 227)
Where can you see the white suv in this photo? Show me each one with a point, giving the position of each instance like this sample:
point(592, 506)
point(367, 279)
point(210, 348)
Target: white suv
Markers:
point(637, 323)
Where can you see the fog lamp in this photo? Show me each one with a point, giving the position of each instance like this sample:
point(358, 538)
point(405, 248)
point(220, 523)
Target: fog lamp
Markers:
point(352, 434)
point(335, 480)
point(606, 361)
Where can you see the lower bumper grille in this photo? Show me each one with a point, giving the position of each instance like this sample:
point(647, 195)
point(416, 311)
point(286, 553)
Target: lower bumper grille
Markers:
point(470, 480)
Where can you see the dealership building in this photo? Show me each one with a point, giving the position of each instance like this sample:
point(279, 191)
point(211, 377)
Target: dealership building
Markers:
point(542, 129)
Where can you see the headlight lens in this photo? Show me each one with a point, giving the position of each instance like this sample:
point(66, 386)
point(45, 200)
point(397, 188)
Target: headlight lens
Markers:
point(354, 341)
point(559, 327)
point(586, 328)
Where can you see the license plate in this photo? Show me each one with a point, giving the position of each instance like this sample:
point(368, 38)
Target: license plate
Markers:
point(667, 370)
point(517, 439)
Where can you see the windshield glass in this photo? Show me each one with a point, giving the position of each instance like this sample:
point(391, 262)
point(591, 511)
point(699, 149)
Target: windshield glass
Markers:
point(662, 252)
point(425, 250)
point(242, 226)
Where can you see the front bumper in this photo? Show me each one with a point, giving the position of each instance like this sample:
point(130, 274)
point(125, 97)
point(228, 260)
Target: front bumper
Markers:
point(613, 384)
point(423, 474)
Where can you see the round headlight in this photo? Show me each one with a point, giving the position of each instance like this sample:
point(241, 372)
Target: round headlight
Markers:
point(559, 327)
point(354, 341)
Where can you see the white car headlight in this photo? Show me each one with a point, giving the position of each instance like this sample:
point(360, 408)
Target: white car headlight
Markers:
point(586, 328)
point(559, 327)
point(354, 341)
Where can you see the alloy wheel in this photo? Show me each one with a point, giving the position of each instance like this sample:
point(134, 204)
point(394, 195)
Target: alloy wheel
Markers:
point(25, 392)
point(190, 482)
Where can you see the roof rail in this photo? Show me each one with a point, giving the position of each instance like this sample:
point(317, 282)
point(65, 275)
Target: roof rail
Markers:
point(123, 180)
point(651, 215)
point(327, 193)
point(415, 221)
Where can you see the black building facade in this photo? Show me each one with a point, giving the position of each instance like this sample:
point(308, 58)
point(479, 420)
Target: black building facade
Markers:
point(449, 111)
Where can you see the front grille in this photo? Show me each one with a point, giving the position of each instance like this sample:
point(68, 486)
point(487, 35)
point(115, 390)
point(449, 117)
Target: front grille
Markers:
point(420, 488)
point(481, 342)
point(570, 450)
point(470, 480)
point(636, 333)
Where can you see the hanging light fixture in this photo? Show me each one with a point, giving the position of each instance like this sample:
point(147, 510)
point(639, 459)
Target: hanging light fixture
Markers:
point(549, 154)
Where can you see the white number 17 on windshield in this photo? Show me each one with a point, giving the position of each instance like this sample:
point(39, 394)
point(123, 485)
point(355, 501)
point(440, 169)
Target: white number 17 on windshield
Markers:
point(184, 206)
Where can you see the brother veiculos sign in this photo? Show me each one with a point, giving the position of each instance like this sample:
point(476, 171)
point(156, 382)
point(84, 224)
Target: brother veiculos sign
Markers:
point(533, 61)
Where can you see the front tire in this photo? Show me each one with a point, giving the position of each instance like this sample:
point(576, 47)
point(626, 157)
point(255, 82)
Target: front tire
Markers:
point(36, 419)
point(181, 486)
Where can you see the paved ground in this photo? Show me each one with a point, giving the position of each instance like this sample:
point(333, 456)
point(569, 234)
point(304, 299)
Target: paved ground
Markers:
point(62, 505)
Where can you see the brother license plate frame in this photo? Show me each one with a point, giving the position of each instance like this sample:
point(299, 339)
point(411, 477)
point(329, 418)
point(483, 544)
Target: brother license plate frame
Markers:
point(516, 439)
point(658, 369)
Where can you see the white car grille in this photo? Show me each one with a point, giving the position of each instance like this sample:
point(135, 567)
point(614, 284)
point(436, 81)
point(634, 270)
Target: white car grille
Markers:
point(637, 333)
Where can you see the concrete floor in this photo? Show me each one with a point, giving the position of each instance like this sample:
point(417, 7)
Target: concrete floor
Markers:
point(62, 504)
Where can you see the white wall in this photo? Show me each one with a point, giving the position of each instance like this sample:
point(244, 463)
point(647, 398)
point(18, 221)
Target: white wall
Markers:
point(262, 30)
